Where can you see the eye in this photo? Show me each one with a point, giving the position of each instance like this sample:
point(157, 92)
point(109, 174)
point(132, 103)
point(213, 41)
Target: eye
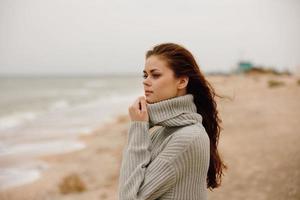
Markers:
point(155, 75)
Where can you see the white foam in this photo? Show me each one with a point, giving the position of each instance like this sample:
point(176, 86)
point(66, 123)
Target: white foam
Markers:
point(22, 174)
point(60, 104)
point(16, 119)
point(85, 130)
point(43, 148)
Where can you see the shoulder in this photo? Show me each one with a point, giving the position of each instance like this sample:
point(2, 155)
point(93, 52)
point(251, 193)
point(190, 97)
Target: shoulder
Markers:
point(192, 138)
point(187, 134)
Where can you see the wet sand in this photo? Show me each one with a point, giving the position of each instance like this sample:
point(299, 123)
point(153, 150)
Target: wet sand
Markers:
point(259, 143)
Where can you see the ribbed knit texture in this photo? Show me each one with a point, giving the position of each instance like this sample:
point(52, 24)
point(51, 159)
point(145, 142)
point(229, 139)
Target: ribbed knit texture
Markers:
point(171, 162)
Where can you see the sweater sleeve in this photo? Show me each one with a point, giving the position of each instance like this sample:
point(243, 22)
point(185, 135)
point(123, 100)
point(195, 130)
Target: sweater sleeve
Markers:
point(139, 177)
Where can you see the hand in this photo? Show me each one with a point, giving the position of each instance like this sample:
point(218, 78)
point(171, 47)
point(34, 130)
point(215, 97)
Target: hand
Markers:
point(138, 110)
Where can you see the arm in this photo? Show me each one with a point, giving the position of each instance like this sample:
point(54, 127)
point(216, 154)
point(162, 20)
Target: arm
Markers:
point(140, 178)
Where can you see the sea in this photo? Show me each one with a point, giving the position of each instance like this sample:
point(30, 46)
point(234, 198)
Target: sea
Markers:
point(45, 115)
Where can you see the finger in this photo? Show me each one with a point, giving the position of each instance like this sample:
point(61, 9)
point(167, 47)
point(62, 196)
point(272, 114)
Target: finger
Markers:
point(143, 104)
point(133, 105)
point(136, 103)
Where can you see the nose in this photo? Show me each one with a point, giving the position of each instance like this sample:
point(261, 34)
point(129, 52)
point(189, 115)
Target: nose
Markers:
point(146, 82)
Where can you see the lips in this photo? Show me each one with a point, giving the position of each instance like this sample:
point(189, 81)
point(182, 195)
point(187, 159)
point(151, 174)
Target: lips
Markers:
point(148, 91)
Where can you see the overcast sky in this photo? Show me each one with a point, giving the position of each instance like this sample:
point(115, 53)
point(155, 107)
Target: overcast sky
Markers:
point(96, 36)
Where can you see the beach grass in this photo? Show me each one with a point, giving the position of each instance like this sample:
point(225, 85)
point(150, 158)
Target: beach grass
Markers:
point(72, 184)
point(275, 83)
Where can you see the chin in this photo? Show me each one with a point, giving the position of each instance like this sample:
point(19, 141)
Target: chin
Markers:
point(149, 100)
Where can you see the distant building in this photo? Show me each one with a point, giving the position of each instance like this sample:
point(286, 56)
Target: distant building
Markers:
point(244, 66)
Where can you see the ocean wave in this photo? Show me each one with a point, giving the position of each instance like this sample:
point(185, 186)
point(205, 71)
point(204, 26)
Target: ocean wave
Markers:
point(96, 84)
point(16, 119)
point(42, 148)
point(59, 105)
point(21, 174)
point(77, 92)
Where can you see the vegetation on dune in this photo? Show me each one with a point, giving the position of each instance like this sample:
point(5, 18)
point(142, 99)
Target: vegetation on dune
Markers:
point(275, 83)
point(72, 184)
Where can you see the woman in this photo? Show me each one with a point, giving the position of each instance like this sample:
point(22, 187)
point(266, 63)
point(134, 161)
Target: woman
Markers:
point(178, 157)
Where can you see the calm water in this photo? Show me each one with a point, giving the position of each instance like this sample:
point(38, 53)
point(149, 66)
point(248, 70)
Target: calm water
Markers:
point(41, 116)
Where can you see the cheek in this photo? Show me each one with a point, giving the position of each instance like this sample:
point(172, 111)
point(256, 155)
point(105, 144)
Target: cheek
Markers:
point(161, 83)
point(165, 85)
point(163, 89)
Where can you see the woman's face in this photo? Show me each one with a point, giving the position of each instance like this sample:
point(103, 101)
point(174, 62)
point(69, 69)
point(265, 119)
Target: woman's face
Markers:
point(160, 80)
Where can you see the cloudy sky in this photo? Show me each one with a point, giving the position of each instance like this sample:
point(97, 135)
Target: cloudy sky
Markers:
point(103, 37)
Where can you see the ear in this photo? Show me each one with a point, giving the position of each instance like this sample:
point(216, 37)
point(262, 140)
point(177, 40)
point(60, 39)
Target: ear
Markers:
point(183, 82)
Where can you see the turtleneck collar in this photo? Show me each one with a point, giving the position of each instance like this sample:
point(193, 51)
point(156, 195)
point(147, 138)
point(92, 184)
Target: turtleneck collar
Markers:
point(176, 111)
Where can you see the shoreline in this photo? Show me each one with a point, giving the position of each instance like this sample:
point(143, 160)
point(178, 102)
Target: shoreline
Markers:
point(258, 139)
point(46, 164)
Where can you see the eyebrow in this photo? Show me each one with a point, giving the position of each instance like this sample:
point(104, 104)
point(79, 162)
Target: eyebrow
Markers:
point(150, 70)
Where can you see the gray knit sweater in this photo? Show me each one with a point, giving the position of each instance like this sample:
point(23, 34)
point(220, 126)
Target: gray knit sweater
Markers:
point(169, 161)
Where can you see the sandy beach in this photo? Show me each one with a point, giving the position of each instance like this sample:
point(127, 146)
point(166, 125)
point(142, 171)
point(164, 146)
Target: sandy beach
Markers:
point(259, 144)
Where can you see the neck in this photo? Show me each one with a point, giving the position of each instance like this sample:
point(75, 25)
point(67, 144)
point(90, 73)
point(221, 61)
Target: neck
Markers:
point(176, 111)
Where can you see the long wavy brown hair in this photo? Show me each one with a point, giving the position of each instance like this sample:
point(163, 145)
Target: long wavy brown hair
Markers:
point(183, 63)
